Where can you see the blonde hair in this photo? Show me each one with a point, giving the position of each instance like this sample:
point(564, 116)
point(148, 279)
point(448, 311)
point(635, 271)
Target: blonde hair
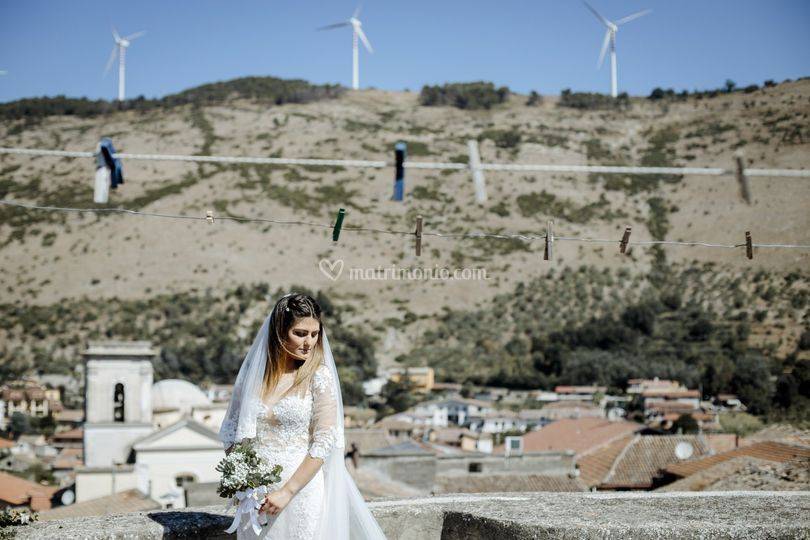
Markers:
point(287, 311)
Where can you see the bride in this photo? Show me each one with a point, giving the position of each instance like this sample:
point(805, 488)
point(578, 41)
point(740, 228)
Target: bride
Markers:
point(287, 399)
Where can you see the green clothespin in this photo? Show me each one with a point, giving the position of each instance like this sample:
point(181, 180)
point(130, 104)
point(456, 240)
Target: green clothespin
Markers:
point(338, 225)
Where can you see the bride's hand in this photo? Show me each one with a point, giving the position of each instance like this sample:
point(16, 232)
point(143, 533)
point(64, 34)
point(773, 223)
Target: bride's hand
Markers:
point(276, 501)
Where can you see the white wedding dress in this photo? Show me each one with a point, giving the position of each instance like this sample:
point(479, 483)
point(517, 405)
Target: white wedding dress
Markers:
point(286, 431)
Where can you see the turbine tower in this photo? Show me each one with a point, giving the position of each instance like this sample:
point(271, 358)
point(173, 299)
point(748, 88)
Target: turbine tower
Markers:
point(610, 40)
point(120, 48)
point(357, 32)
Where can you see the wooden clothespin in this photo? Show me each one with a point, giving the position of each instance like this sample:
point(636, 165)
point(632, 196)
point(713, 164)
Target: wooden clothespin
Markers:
point(549, 242)
point(745, 188)
point(209, 216)
point(625, 240)
point(338, 225)
point(418, 234)
point(749, 247)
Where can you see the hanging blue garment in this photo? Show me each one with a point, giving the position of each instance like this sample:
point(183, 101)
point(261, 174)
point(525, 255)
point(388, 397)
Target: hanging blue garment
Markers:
point(106, 159)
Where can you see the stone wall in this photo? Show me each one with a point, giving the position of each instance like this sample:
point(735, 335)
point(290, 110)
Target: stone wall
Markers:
point(661, 516)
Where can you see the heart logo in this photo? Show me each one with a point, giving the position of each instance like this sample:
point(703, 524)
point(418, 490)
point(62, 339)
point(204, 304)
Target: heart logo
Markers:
point(329, 268)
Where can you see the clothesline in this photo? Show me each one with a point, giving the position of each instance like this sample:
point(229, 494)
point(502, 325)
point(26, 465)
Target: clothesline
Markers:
point(511, 167)
point(474, 235)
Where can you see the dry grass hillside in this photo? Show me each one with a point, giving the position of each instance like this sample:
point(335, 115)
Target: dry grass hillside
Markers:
point(50, 259)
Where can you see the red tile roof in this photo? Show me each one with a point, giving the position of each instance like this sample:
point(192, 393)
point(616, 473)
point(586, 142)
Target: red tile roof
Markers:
point(722, 442)
point(672, 394)
point(768, 450)
point(595, 464)
point(16, 491)
point(76, 434)
point(5, 443)
point(576, 434)
point(670, 406)
point(124, 502)
point(645, 457)
point(579, 389)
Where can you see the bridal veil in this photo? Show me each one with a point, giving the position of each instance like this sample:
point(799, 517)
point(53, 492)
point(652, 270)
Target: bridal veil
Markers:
point(345, 514)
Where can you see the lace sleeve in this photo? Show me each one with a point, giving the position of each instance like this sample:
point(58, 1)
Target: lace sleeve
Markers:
point(323, 429)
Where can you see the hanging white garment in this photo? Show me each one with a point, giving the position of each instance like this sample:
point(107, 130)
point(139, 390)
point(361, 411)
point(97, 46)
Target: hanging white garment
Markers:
point(101, 189)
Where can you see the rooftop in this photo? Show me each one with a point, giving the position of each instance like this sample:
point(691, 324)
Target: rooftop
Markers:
point(576, 434)
point(767, 450)
point(16, 491)
point(120, 348)
point(127, 501)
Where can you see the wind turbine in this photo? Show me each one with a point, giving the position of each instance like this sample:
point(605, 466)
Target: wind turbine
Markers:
point(120, 47)
point(357, 32)
point(610, 39)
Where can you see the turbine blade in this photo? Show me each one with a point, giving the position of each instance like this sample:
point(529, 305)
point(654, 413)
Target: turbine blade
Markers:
point(111, 60)
point(135, 35)
point(633, 16)
point(598, 16)
point(357, 10)
point(336, 25)
point(604, 49)
point(363, 38)
point(116, 37)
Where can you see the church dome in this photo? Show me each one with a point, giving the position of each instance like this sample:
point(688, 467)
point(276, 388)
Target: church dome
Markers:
point(177, 394)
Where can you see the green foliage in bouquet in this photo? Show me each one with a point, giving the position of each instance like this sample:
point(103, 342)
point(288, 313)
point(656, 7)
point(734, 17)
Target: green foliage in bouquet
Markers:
point(13, 516)
point(243, 468)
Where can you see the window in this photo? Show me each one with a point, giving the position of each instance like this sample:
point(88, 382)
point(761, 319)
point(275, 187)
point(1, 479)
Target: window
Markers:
point(118, 403)
point(184, 479)
point(475, 467)
point(513, 446)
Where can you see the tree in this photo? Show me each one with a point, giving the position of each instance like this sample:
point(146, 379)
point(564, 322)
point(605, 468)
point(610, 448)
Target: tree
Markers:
point(730, 85)
point(787, 390)
point(397, 395)
point(685, 424)
point(640, 317)
point(20, 424)
point(44, 424)
point(751, 382)
point(740, 424)
point(534, 99)
point(657, 93)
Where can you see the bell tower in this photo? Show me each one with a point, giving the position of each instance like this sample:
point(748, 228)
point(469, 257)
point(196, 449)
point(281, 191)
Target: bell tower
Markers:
point(117, 399)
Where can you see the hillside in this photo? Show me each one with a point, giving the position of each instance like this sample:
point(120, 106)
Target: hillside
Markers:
point(55, 260)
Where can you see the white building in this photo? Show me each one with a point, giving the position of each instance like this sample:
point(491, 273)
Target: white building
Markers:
point(126, 446)
point(452, 411)
point(498, 422)
point(118, 400)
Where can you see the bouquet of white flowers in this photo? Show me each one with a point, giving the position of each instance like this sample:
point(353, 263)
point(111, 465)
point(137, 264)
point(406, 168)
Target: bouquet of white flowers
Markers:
point(246, 478)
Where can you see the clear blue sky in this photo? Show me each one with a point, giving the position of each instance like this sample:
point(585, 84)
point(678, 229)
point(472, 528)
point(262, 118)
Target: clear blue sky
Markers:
point(52, 47)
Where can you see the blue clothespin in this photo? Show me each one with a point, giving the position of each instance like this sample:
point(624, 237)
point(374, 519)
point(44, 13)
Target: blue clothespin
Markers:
point(400, 153)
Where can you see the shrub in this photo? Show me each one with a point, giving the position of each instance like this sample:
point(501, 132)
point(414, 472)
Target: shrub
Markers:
point(534, 99)
point(270, 90)
point(593, 101)
point(740, 424)
point(503, 138)
point(471, 95)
